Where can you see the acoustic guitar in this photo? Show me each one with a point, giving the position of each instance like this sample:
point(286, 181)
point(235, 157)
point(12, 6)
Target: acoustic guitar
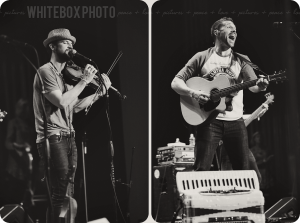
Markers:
point(197, 114)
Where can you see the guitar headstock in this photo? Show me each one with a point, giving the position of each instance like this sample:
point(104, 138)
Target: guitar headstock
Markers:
point(279, 76)
point(2, 115)
point(270, 98)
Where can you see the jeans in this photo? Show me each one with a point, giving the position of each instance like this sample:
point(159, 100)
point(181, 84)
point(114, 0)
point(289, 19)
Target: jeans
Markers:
point(235, 139)
point(226, 164)
point(63, 164)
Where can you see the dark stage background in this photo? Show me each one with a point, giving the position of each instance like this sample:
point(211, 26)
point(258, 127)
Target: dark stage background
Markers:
point(100, 39)
point(182, 28)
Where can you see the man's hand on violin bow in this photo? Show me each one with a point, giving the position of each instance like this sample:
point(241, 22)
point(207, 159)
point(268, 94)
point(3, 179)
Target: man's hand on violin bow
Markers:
point(107, 83)
point(106, 80)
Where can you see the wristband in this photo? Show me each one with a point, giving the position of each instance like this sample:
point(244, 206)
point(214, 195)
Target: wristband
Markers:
point(86, 83)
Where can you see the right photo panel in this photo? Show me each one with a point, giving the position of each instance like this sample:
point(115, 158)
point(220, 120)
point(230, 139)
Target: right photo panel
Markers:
point(225, 111)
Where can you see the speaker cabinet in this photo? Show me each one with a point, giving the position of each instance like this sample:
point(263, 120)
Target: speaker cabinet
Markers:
point(14, 213)
point(165, 197)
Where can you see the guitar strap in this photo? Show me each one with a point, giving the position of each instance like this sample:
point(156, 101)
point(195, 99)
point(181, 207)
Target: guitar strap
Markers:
point(254, 66)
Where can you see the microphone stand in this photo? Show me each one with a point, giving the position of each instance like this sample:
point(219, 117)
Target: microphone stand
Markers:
point(291, 29)
point(84, 151)
point(47, 146)
point(111, 147)
point(128, 185)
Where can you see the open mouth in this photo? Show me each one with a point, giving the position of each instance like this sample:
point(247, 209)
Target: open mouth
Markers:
point(232, 38)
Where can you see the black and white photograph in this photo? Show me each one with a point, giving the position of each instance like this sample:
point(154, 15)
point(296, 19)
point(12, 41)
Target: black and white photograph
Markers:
point(74, 111)
point(168, 111)
point(225, 111)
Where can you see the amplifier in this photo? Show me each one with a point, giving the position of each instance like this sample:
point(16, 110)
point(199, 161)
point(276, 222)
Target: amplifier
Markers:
point(175, 154)
point(165, 197)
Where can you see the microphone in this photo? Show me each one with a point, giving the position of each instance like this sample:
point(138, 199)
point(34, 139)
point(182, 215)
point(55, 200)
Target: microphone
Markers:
point(6, 39)
point(73, 53)
point(288, 24)
point(122, 97)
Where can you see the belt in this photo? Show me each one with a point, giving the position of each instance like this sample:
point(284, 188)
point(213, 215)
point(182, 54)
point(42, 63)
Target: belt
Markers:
point(66, 134)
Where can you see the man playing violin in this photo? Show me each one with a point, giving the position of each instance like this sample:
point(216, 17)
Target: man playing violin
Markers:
point(228, 126)
point(61, 100)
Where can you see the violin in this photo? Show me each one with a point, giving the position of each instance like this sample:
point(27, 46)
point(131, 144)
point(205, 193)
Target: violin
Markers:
point(75, 73)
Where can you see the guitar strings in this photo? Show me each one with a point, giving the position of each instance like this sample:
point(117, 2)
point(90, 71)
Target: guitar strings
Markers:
point(233, 88)
point(241, 85)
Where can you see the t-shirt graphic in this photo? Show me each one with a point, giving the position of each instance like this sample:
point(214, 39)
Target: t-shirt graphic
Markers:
point(228, 66)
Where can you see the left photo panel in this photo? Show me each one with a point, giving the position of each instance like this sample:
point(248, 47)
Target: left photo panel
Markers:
point(74, 111)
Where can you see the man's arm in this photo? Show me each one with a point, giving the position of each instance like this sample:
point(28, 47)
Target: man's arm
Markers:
point(261, 85)
point(83, 103)
point(179, 86)
point(249, 74)
point(62, 100)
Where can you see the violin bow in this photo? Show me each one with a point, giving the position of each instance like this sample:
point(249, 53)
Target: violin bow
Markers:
point(115, 62)
point(100, 78)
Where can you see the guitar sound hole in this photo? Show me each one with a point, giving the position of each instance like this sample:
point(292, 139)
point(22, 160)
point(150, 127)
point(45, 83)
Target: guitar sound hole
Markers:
point(210, 105)
point(214, 95)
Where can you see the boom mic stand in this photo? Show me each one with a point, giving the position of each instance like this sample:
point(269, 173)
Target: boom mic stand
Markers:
point(129, 186)
point(111, 146)
point(291, 29)
point(84, 151)
point(112, 152)
point(47, 146)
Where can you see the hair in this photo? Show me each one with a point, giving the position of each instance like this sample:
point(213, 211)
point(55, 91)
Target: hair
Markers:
point(48, 49)
point(217, 25)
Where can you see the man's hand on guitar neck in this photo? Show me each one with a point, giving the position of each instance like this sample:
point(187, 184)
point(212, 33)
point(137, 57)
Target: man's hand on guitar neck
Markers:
point(262, 83)
point(200, 96)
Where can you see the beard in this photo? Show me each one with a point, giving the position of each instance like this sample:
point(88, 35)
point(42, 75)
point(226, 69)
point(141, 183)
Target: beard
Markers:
point(230, 43)
point(62, 56)
point(226, 42)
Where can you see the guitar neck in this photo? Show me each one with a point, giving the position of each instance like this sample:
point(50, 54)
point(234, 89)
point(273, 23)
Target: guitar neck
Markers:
point(226, 91)
point(254, 115)
point(234, 88)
